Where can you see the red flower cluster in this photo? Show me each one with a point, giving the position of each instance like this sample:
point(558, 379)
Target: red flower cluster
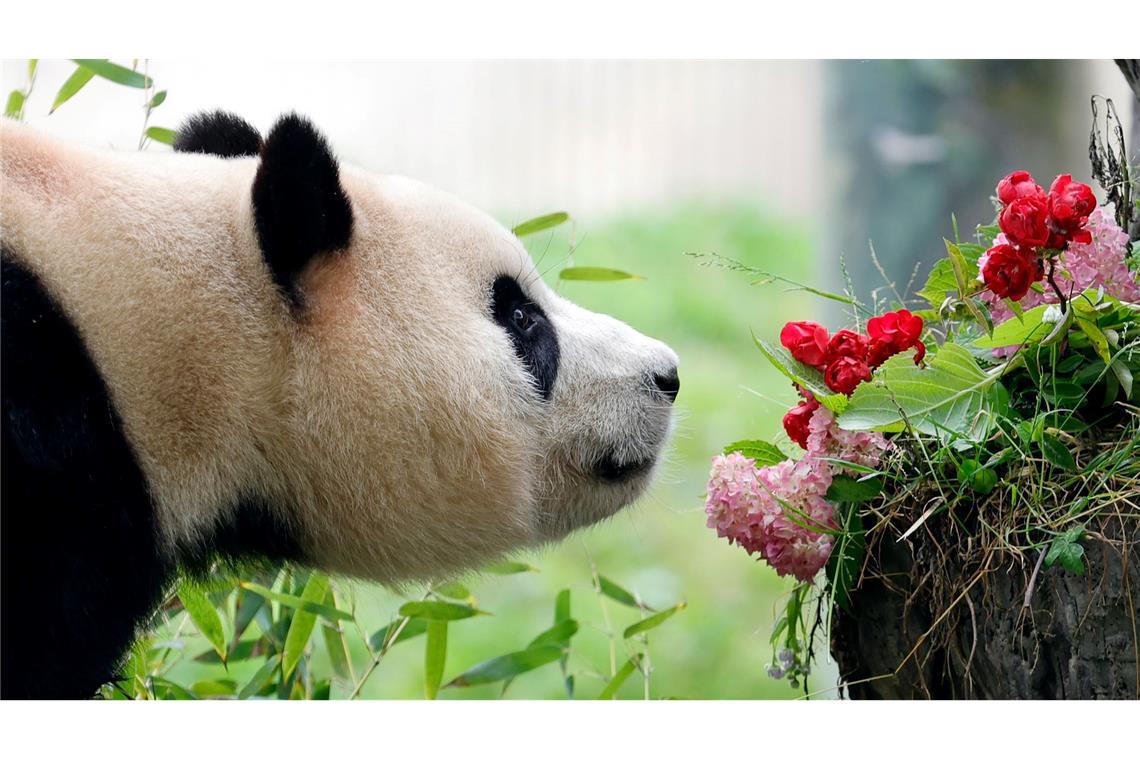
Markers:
point(1034, 224)
point(846, 358)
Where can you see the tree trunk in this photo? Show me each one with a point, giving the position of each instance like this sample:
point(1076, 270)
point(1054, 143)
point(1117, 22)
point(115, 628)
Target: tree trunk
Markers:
point(1077, 639)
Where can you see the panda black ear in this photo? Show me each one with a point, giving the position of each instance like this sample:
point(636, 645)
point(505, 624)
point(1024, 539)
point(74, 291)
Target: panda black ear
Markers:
point(218, 133)
point(299, 207)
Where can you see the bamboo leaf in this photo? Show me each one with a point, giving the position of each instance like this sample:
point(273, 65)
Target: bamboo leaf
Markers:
point(204, 616)
point(261, 678)
point(439, 611)
point(435, 655)
point(158, 99)
point(113, 72)
point(507, 666)
point(414, 627)
point(334, 642)
point(296, 602)
point(624, 672)
point(301, 627)
point(652, 621)
point(454, 591)
point(617, 593)
point(540, 223)
point(15, 104)
point(558, 634)
point(596, 274)
point(73, 85)
point(510, 568)
point(161, 135)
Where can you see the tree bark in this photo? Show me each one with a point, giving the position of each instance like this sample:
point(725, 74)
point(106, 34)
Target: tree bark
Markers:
point(1077, 639)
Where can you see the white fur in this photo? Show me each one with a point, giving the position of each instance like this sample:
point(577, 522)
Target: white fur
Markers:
point(391, 422)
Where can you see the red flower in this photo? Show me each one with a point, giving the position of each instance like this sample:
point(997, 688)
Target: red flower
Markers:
point(1069, 205)
point(846, 343)
point(893, 333)
point(1017, 185)
point(797, 419)
point(880, 350)
point(846, 372)
point(1008, 272)
point(807, 341)
point(1025, 221)
point(901, 328)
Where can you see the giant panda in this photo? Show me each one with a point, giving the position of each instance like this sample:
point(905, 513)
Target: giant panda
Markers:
point(244, 349)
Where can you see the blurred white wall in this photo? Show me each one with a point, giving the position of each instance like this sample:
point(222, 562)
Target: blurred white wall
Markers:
point(514, 137)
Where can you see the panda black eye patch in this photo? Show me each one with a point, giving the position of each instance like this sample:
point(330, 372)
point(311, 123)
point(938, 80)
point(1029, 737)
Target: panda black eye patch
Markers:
point(531, 333)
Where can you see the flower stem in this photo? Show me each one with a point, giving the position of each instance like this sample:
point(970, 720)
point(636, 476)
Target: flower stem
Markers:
point(1064, 303)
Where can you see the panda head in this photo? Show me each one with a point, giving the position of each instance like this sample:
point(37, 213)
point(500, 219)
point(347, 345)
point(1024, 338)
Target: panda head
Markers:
point(435, 403)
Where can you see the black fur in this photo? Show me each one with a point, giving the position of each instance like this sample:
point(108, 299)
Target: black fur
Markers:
point(218, 133)
point(300, 209)
point(535, 341)
point(81, 568)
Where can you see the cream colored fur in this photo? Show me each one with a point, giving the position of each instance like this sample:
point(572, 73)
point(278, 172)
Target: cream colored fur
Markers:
point(391, 422)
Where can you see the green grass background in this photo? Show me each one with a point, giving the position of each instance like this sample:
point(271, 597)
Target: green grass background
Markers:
point(717, 647)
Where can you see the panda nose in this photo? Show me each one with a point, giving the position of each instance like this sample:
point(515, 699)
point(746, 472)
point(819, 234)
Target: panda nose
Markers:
point(668, 383)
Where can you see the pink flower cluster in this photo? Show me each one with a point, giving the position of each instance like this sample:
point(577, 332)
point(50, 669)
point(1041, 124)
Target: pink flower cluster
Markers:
point(1095, 264)
point(779, 511)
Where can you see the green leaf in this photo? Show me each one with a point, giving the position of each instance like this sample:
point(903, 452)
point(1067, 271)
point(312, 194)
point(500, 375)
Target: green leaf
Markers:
point(617, 593)
point(507, 666)
point(1124, 377)
point(596, 274)
point(762, 452)
point(540, 223)
point(1096, 337)
point(204, 616)
point(1065, 549)
point(301, 628)
point(158, 99)
point(846, 558)
point(849, 489)
point(510, 568)
point(981, 479)
point(74, 84)
point(801, 374)
point(113, 72)
point(562, 606)
point(439, 611)
point(33, 64)
point(239, 652)
point(214, 688)
point(652, 621)
point(15, 104)
point(952, 398)
point(335, 644)
point(453, 591)
point(624, 672)
point(261, 678)
point(1029, 329)
point(161, 135)
point(435, 656)
point(1056, 453)
point(296, 602)
point(414, 627)
point(940, 283)
point(246, 609)
point(966, 280)
point(558, 634)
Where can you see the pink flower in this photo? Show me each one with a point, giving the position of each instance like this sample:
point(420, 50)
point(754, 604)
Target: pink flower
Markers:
point(826, 440)
point(777, 512)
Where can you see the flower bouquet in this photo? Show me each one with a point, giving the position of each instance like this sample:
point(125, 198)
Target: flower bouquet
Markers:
point(958, 497)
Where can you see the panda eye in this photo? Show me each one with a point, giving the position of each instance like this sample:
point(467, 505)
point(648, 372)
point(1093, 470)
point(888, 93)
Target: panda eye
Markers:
point(522, 320)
